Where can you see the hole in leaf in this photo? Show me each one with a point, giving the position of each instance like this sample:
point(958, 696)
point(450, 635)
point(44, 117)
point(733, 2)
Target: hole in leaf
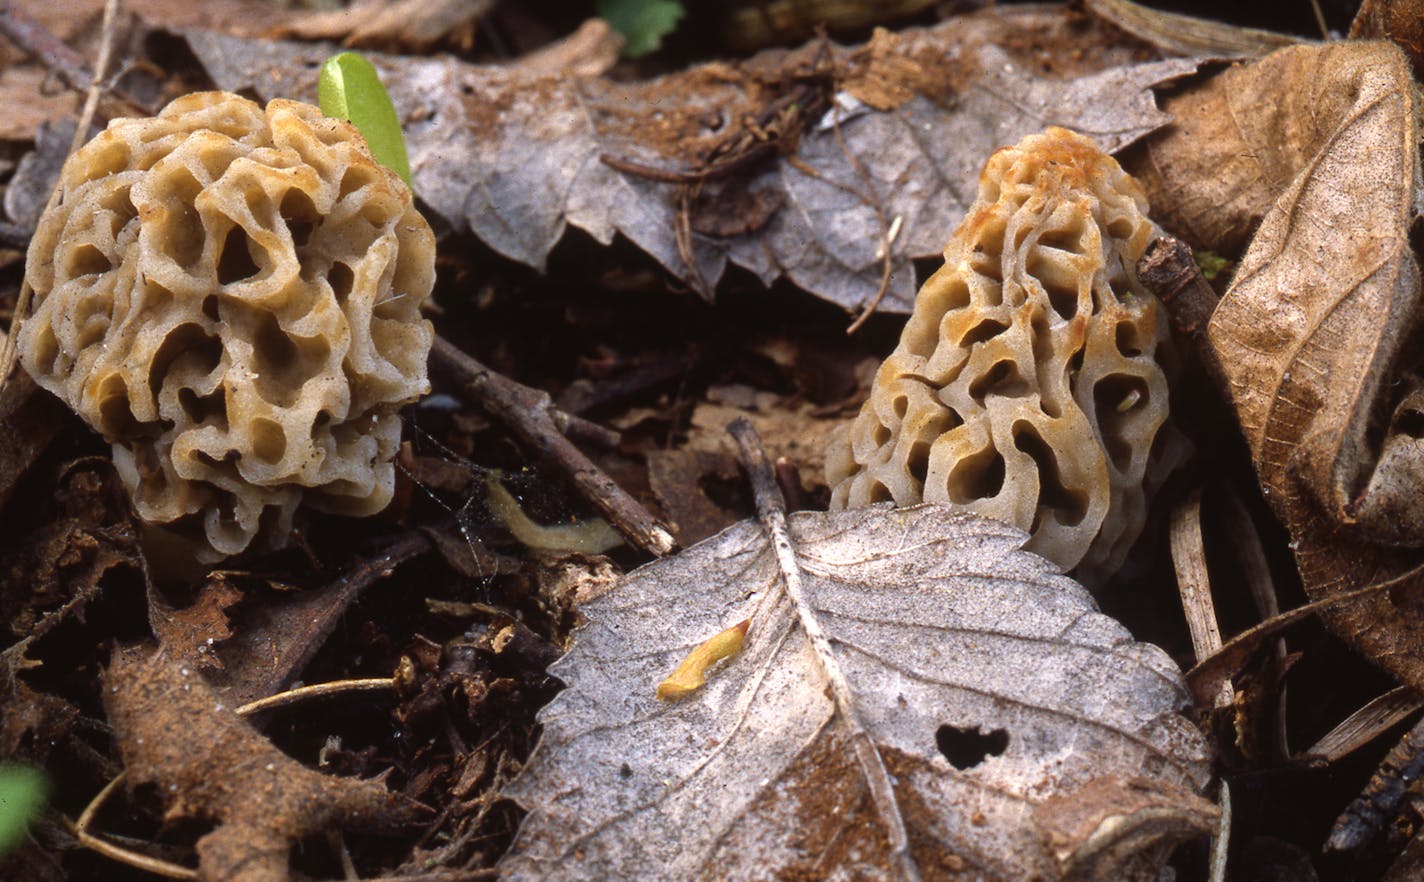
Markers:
point(967, 748)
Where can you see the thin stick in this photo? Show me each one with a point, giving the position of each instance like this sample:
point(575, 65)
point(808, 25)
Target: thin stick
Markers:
point(118, 853)
point(1256, 572)
point(86, 118)
point(1168, 268)
point(528, 413)
point(317, 690)
point(1221, 842)
point(771, 511)
point(1383, 796)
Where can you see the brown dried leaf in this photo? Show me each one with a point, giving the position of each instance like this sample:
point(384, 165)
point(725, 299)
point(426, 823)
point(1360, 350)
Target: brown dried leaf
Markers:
point(1318, 333)
point(31, 421)
point(415, 24)
point(514, 154)
point(189, 634)
point(1029, 735)
point(274, 641)
point(207, 762)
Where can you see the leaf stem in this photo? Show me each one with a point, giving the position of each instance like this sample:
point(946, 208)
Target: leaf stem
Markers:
point(771, 511)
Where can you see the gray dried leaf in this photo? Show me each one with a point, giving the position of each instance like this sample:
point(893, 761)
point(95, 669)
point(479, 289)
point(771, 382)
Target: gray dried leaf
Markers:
point(1028, 735)
point(514, 155)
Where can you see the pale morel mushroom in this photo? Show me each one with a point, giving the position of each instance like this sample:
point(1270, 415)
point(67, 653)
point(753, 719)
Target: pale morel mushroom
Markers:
point(1030, 383)
point(232, 297)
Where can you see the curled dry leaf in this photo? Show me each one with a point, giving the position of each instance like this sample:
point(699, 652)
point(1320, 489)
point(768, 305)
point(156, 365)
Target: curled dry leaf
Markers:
point(993, 690)
point(514, 155)
point(174, 732)
point(1318, 334)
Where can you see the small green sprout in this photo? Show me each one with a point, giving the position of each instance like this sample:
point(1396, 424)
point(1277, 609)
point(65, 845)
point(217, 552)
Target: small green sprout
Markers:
point(22, 794)
point(350, 89)
point(1211, 264)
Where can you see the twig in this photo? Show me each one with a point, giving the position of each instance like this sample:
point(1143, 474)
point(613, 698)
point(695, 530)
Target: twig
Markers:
point(86, 117)
point(1168, 268)
point(317, 690)
point(529, 413)
point(771, 511)
point(1221, 842)
point(118, 853)
point(1256, 573)
point(52, 52)
point(1383, 795)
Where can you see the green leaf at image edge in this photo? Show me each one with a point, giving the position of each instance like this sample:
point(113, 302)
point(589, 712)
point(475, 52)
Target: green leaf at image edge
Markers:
point(350, 89)
point(22, 794)
point(642, 23)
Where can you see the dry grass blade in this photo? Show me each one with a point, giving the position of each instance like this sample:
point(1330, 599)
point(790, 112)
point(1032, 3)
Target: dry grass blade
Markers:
point(1364, 725)
point(1194, 584)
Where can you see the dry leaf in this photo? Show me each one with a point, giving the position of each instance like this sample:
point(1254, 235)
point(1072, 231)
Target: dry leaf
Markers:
point(1317, 332)
point(207, 762)
point(416, 24)
point(514, 155)
point(993, 690)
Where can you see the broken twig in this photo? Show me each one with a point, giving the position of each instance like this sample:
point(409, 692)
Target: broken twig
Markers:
point(40, 44)
point(1384, 794)
point(531, 415)
point(1168, 268)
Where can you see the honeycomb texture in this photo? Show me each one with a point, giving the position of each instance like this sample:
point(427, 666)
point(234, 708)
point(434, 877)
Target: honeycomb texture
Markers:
point(232, 297)
point(1030, 383)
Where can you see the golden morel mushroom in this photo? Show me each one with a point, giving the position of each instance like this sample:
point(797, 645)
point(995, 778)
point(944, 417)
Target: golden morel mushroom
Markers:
point(232, 297)
point(1030, 383)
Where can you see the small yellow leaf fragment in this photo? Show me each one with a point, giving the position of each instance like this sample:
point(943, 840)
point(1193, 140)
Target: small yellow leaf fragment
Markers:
point(691, 674)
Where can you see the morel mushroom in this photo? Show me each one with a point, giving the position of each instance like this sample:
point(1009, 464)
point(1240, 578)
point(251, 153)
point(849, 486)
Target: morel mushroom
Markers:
point(232, 297)
point(1030, 383)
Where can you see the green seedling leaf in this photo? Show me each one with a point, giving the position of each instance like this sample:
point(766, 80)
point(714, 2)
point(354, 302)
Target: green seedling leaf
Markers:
point(22, 794)
point(642, 23)
point(350, 89)
point(1211, 264)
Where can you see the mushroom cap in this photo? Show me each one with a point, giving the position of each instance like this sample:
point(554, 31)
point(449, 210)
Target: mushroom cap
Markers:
point(1030, 383)
point(232, 296)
